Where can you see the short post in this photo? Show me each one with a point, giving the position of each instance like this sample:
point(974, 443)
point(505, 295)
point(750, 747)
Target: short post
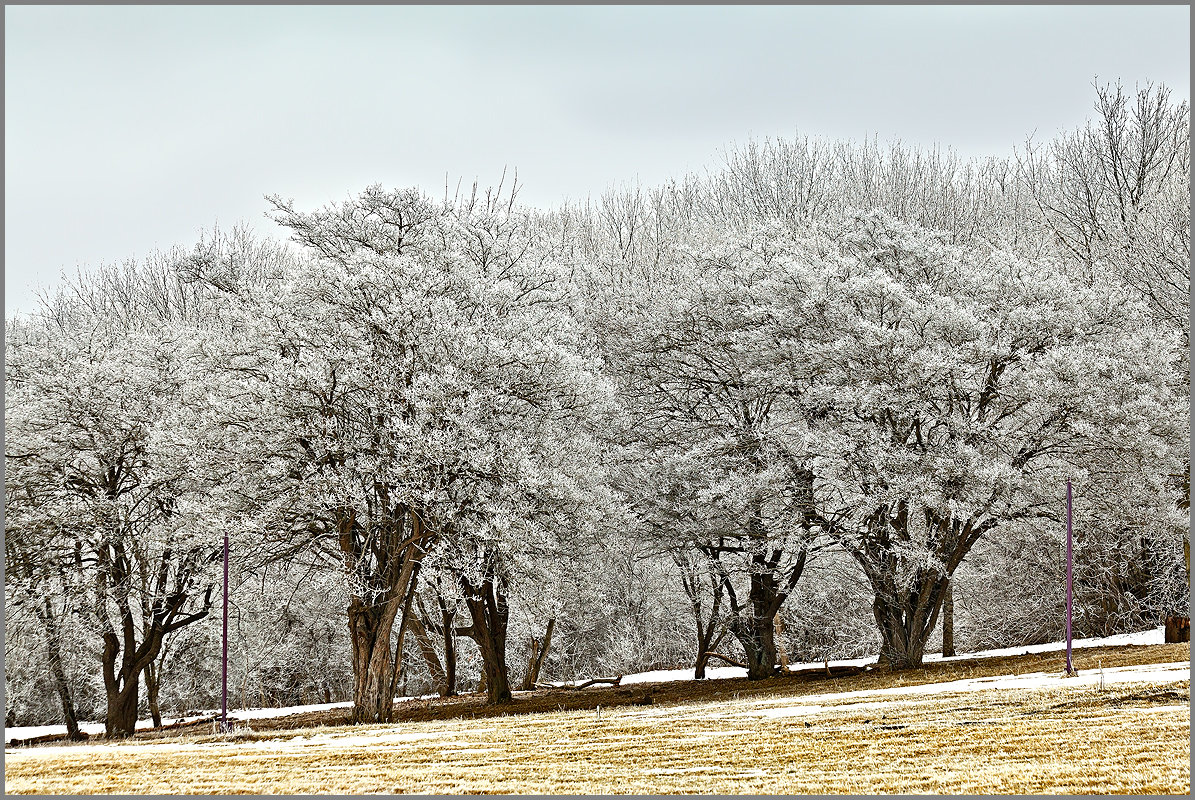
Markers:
point(1070, 668)
point(224, 653)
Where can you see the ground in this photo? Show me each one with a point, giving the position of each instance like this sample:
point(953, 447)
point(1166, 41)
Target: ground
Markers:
point(1009, 724)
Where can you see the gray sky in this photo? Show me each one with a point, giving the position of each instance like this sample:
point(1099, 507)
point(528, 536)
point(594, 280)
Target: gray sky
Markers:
point(132, 128)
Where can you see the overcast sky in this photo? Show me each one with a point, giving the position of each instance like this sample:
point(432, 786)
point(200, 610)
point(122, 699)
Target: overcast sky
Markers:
point(132, 128)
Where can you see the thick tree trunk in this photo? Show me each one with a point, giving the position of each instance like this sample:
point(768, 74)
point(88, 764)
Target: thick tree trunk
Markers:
point(759, 644)
point(489, 614)
point(1177, 629)
point(755, 630)
point(770, 584)
point(497, 682)
point(906, 623)
point(121, 720)
point(906, 608)
point(948, 621)
point(124, 659)
point(121, 683)
point(383, 555)
point(703, 659)
point(369, 631)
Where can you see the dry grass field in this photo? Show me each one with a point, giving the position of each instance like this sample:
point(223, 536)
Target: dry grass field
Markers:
point(716, 737)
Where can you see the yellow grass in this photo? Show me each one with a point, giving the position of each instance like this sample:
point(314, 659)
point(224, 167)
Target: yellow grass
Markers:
point(1127, 738)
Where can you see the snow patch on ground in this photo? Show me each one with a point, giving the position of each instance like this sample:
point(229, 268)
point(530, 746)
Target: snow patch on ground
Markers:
point(268, 713)
point(1151, 636)
point(1141, 673)
point(1147, 637)
point(240, 715)
point(870, 699)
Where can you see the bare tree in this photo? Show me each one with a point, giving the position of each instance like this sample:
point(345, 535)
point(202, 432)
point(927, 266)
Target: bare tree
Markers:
point(1116, 194)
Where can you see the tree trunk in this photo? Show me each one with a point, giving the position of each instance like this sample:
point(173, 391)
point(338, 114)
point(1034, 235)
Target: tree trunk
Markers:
point(703, 659)
point(121, 719)
point(369, 630)
point(1177, 629)
point(61, 685)
point(707, 643)
point(759, 643)
point(538, 651)
point(693, 581)
point(906, 609)
point(428, 650)
point(449, 657)
point(906, 622)
point(448, 631)
point(770, 584)
point(489, 613)
point(120, 685)
point(162, 615)
point(781, 650)
point(121, 682)
point(755, 630)
point(151, 693)
point(497, 682)
point(948, 621)
point(384, 555)
point(397, 671)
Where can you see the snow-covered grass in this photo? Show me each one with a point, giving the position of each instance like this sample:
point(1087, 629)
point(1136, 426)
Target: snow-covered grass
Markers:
point(1151, 636)
point(1146, 637)
point(808, 704)
point(1042, 736)
point(239, 715)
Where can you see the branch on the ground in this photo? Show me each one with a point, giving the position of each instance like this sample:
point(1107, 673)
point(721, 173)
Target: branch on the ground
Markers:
point(727, 659)
point(591, 682)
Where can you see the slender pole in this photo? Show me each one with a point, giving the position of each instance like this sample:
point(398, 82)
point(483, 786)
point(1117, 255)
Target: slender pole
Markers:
point(224, 654)
point(1070, 669)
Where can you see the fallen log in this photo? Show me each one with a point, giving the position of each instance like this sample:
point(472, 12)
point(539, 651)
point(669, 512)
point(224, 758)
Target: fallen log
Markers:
point(825, 671)
point(594, 681)
point(727, 659)
point(45, 738)
point(586, 684)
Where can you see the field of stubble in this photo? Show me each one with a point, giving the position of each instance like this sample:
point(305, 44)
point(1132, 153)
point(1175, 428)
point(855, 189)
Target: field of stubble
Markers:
point(1129, 738)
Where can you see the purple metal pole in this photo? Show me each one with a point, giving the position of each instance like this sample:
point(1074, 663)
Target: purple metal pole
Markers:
point(1070, 669)
point(224, 655)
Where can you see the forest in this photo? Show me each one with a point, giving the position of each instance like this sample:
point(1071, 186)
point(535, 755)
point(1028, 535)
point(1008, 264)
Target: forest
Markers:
point(819, 401)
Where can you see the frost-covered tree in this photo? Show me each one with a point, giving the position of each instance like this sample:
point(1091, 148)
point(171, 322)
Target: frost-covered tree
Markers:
point(414, 384)
point(110, 472)
point(970, 385)
point(889, 356)
point(716, 460)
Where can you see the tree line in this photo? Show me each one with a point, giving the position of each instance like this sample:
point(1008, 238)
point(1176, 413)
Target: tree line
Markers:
point(779, 410)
